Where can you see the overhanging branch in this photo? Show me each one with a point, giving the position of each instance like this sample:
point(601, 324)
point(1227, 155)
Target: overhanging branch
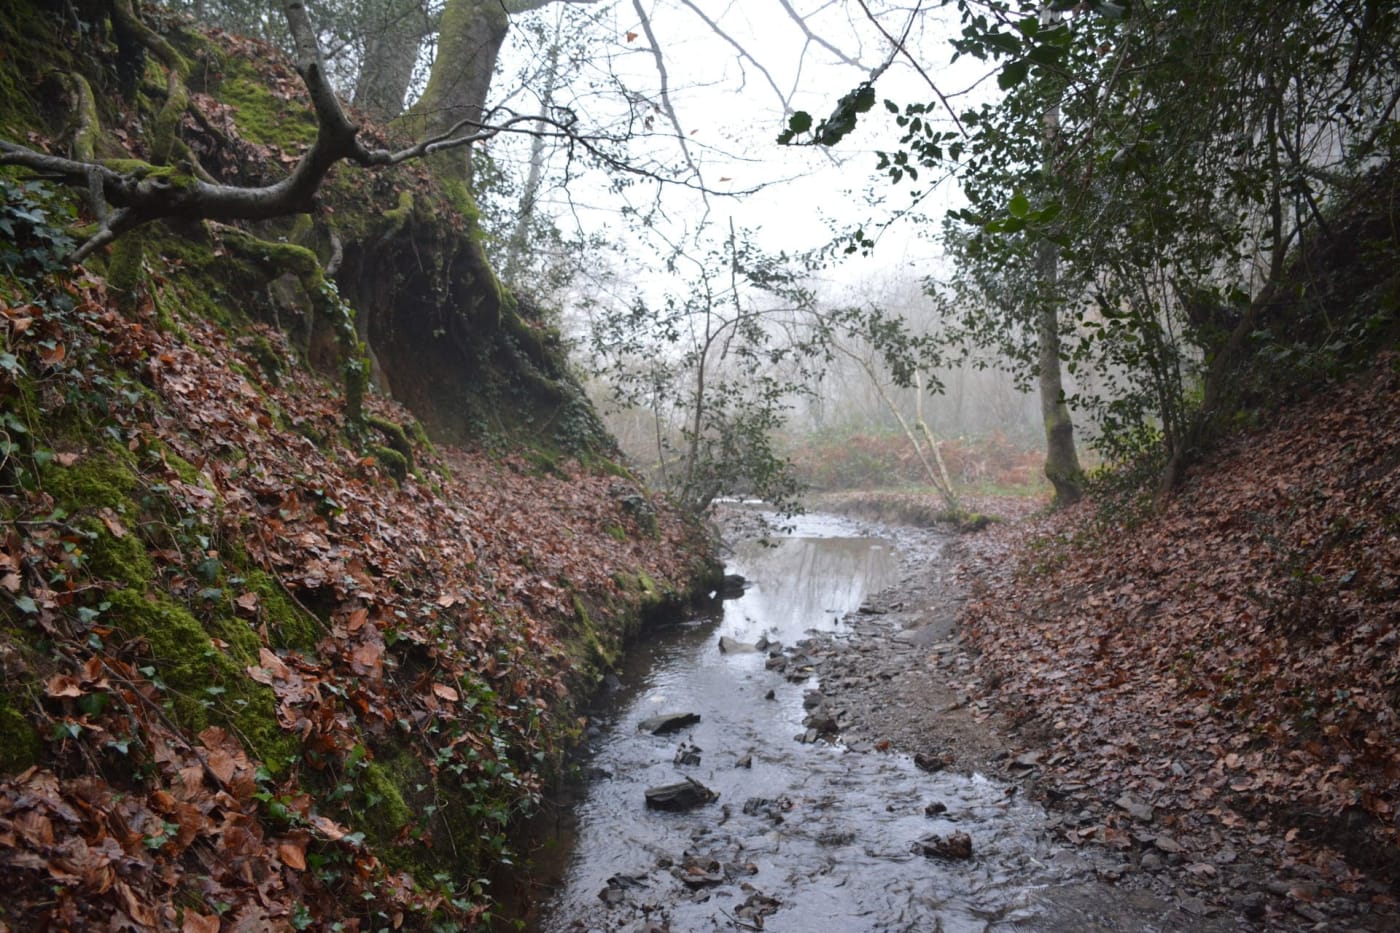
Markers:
point(123, 198)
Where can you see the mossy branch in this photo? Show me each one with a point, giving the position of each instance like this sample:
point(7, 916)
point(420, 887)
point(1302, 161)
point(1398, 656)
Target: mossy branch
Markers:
point(135, 198)
point(276, 259)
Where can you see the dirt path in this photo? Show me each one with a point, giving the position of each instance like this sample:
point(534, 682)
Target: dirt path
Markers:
point(902, 680)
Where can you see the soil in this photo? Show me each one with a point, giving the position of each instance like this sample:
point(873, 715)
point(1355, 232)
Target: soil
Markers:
point(902, 680)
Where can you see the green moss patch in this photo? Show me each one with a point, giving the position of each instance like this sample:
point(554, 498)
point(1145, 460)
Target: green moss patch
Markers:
point(96, 481)
point(263, 117)
point(19, 743)
point(385, 812)
point(206, 683)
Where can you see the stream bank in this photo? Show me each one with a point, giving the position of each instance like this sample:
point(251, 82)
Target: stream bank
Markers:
point(905, 680)
point(841, 786)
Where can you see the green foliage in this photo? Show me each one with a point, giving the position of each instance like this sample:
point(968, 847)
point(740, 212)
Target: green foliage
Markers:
point(834, 128)
point(1170, 161)
point(33, 241)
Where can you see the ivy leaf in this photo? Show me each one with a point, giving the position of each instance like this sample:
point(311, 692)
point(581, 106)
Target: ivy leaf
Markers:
point(1013, 73)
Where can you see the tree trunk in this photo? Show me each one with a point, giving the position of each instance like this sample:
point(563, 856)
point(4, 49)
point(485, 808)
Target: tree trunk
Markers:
point(518, 246)
point(469, 41)
point(1061, 459)
point(391, 52)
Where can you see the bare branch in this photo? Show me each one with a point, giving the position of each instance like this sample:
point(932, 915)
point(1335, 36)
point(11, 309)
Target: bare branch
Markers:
point(812, 37)
point(900, 48)
point(666, 91)
point(743, 53)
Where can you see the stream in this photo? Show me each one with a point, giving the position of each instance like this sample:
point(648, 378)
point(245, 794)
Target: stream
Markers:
point(803, 836)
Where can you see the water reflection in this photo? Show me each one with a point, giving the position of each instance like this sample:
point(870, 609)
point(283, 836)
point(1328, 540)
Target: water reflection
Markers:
point(806, 580)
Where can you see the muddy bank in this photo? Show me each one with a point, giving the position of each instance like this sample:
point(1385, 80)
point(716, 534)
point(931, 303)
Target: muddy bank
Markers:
point(901, 680)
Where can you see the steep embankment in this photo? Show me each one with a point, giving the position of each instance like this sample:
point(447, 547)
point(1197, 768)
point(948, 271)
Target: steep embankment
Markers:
point(1232, 660)
point(268, 657)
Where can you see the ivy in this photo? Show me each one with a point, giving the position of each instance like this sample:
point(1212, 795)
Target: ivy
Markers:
point(32, 238)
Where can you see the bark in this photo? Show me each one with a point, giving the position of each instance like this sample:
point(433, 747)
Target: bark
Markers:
point(1061, 459)
point(391, 52)
point(469, 41)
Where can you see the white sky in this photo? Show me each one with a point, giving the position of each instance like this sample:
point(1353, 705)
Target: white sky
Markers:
point(731, 115)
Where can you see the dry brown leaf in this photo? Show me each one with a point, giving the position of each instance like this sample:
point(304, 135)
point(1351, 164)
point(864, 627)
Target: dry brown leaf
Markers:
point(63, 685)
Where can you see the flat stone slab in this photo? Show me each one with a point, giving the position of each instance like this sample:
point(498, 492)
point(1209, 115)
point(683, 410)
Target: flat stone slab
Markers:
point(667, 722)
point(683, 795)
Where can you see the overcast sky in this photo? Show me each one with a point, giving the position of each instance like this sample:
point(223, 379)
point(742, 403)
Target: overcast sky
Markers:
point(730, 105)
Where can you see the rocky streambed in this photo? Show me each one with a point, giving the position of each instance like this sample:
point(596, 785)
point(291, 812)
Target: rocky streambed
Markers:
point(811, 756)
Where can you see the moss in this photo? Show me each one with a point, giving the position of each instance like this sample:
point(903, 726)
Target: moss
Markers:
point(581, 613)
point(419, 434)
point(267, 358)
point(207, 683)
point(204, 287)
point(459, 196)
point(96, 481)
point(182, 467)
point(397, 217)
point(595, 650)
point(123, 559)
point(386, 813)
point(19, 742)
point(29, 31)
point(276, 258)
point(126, 269)
point(355, 374)
point(395, 435)
point(302, 229)
point(392, 461)
point(263, 117)
point(87, 125)
point(166, 134)
point(616, 532)
point(289, 626)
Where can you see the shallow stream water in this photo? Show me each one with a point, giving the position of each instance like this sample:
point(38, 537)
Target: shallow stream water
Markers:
point(806, 837)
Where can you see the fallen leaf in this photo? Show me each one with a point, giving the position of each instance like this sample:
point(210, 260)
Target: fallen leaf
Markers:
point(292, 855)
point(63, 685)
point(199, 923)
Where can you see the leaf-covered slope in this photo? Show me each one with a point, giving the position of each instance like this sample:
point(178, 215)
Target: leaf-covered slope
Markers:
point(268, 658)
point(1235, 658)
point(249, 673)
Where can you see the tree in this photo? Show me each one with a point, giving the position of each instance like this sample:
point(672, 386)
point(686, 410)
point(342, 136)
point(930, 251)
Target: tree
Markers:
point(1197, 149)
point(717, 368)
point(721, 366)
point(396, 32)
